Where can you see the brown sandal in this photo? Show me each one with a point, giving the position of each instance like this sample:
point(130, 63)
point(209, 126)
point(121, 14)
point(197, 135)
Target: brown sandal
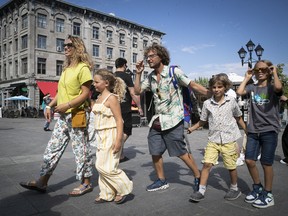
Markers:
point(99, 200)
point(120, 200)
point(79, 191)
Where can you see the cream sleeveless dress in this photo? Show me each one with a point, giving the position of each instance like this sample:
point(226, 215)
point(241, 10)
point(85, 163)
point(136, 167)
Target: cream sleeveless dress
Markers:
point(112, 180)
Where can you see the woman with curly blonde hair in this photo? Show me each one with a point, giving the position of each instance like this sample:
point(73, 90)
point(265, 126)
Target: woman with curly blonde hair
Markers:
point(73, 92)
point(113, 182)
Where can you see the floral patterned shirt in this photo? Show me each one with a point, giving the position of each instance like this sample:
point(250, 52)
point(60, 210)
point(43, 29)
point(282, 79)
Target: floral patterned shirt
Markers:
point(223, 127)
point(167, 100)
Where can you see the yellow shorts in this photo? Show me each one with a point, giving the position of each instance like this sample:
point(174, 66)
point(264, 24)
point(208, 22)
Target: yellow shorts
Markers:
point(227, 150)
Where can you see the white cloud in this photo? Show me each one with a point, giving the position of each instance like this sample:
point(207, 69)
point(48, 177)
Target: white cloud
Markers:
point(193, 49)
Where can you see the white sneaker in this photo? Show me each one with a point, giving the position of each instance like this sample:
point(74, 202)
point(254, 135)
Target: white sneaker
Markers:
point(283, 162)
point(242, 156)
point(239, 162)
point(264, 200)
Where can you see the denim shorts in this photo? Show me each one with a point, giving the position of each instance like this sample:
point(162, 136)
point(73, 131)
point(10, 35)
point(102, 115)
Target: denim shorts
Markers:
point(264, 143)
point(172, 140)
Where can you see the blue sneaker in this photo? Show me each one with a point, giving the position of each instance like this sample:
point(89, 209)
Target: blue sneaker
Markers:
point(158, 185)
point(264, 200)
point(196, 184)
point(254, 194)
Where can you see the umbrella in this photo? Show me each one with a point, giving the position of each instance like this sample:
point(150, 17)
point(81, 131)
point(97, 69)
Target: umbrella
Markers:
point(21, 97)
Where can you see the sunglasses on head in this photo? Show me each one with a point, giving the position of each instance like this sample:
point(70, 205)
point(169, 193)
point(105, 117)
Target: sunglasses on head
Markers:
point(68, 45)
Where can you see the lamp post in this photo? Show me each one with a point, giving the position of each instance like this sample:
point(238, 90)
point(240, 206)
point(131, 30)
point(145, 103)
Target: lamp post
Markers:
point(242, 54)
point(250, 47)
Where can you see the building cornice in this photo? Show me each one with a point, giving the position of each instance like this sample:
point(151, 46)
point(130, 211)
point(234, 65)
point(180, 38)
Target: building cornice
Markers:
point(88, 13)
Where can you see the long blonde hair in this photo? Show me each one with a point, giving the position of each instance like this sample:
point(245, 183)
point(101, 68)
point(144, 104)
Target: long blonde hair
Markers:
point(116, 85)
point(80, 54)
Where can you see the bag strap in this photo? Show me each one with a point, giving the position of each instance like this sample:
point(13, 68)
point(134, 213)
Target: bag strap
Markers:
point(172, 75)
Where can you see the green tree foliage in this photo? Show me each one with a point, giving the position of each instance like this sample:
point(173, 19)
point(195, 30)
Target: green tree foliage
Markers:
point(283, 78)
point(202, 81)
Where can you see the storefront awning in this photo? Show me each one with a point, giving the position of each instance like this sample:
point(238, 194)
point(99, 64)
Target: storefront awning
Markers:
point(48, 87)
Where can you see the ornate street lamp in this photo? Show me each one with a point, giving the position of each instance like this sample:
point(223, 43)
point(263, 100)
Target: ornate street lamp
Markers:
point(250, 47)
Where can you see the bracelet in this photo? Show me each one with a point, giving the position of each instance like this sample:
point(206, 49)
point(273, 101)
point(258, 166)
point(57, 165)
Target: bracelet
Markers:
point(48, 107)
point(69, 105)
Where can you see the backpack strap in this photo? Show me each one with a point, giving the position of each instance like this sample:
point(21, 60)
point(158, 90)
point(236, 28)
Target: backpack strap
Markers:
point(172, 75)
point(150, 80)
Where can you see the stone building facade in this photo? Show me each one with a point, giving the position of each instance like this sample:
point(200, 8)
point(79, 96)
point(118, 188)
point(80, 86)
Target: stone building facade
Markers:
point(32, 34)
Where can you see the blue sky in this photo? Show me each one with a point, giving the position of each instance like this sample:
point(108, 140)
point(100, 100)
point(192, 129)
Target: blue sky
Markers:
point(204, 36)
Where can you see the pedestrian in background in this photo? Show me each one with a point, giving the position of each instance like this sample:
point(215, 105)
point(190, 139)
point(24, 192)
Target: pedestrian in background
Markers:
point(284, 139)
point(91, 124)
point(46, 101)
point(263, 128)
point(113, 182)
point(121, 67)
point(73, 92)
point(167, 125)
point(222, 113)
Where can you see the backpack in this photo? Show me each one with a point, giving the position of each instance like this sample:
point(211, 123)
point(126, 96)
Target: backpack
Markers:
point(190, 104)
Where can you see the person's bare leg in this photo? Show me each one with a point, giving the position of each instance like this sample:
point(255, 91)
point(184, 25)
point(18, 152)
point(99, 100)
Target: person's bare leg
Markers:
point(268, 177)
point(190, 162)
point(158, 165)
point(125, 137)
point(253, 170)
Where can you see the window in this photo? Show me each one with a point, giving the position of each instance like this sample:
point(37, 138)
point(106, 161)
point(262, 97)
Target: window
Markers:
point(122, 39)
point(4, 72)
point(59, 25)
point(109, 35)
point(109, 52)
point(59, 45)
point(134, 57)
point(4, 50)
point(24, 62)
point(95, 51)
point(96, 67)
point(41, 43)
point(10, 48)
point(4, 31)
point(76, 28)
point(110, 68)
point(24, 21)
point(59, 67)
point(16, 45)
point(122, 53)
point(95, 32)
point(145, 43)
point(135, 44)
point(41, 66)
point(9, 30)
point(41, 20)
point(16, 68)
point(24, 40)
point(16, 27)
point(133, 75)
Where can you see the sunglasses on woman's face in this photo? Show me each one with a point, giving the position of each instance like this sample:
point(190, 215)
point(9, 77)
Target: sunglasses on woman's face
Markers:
point(263, 70)
point(69, 45)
